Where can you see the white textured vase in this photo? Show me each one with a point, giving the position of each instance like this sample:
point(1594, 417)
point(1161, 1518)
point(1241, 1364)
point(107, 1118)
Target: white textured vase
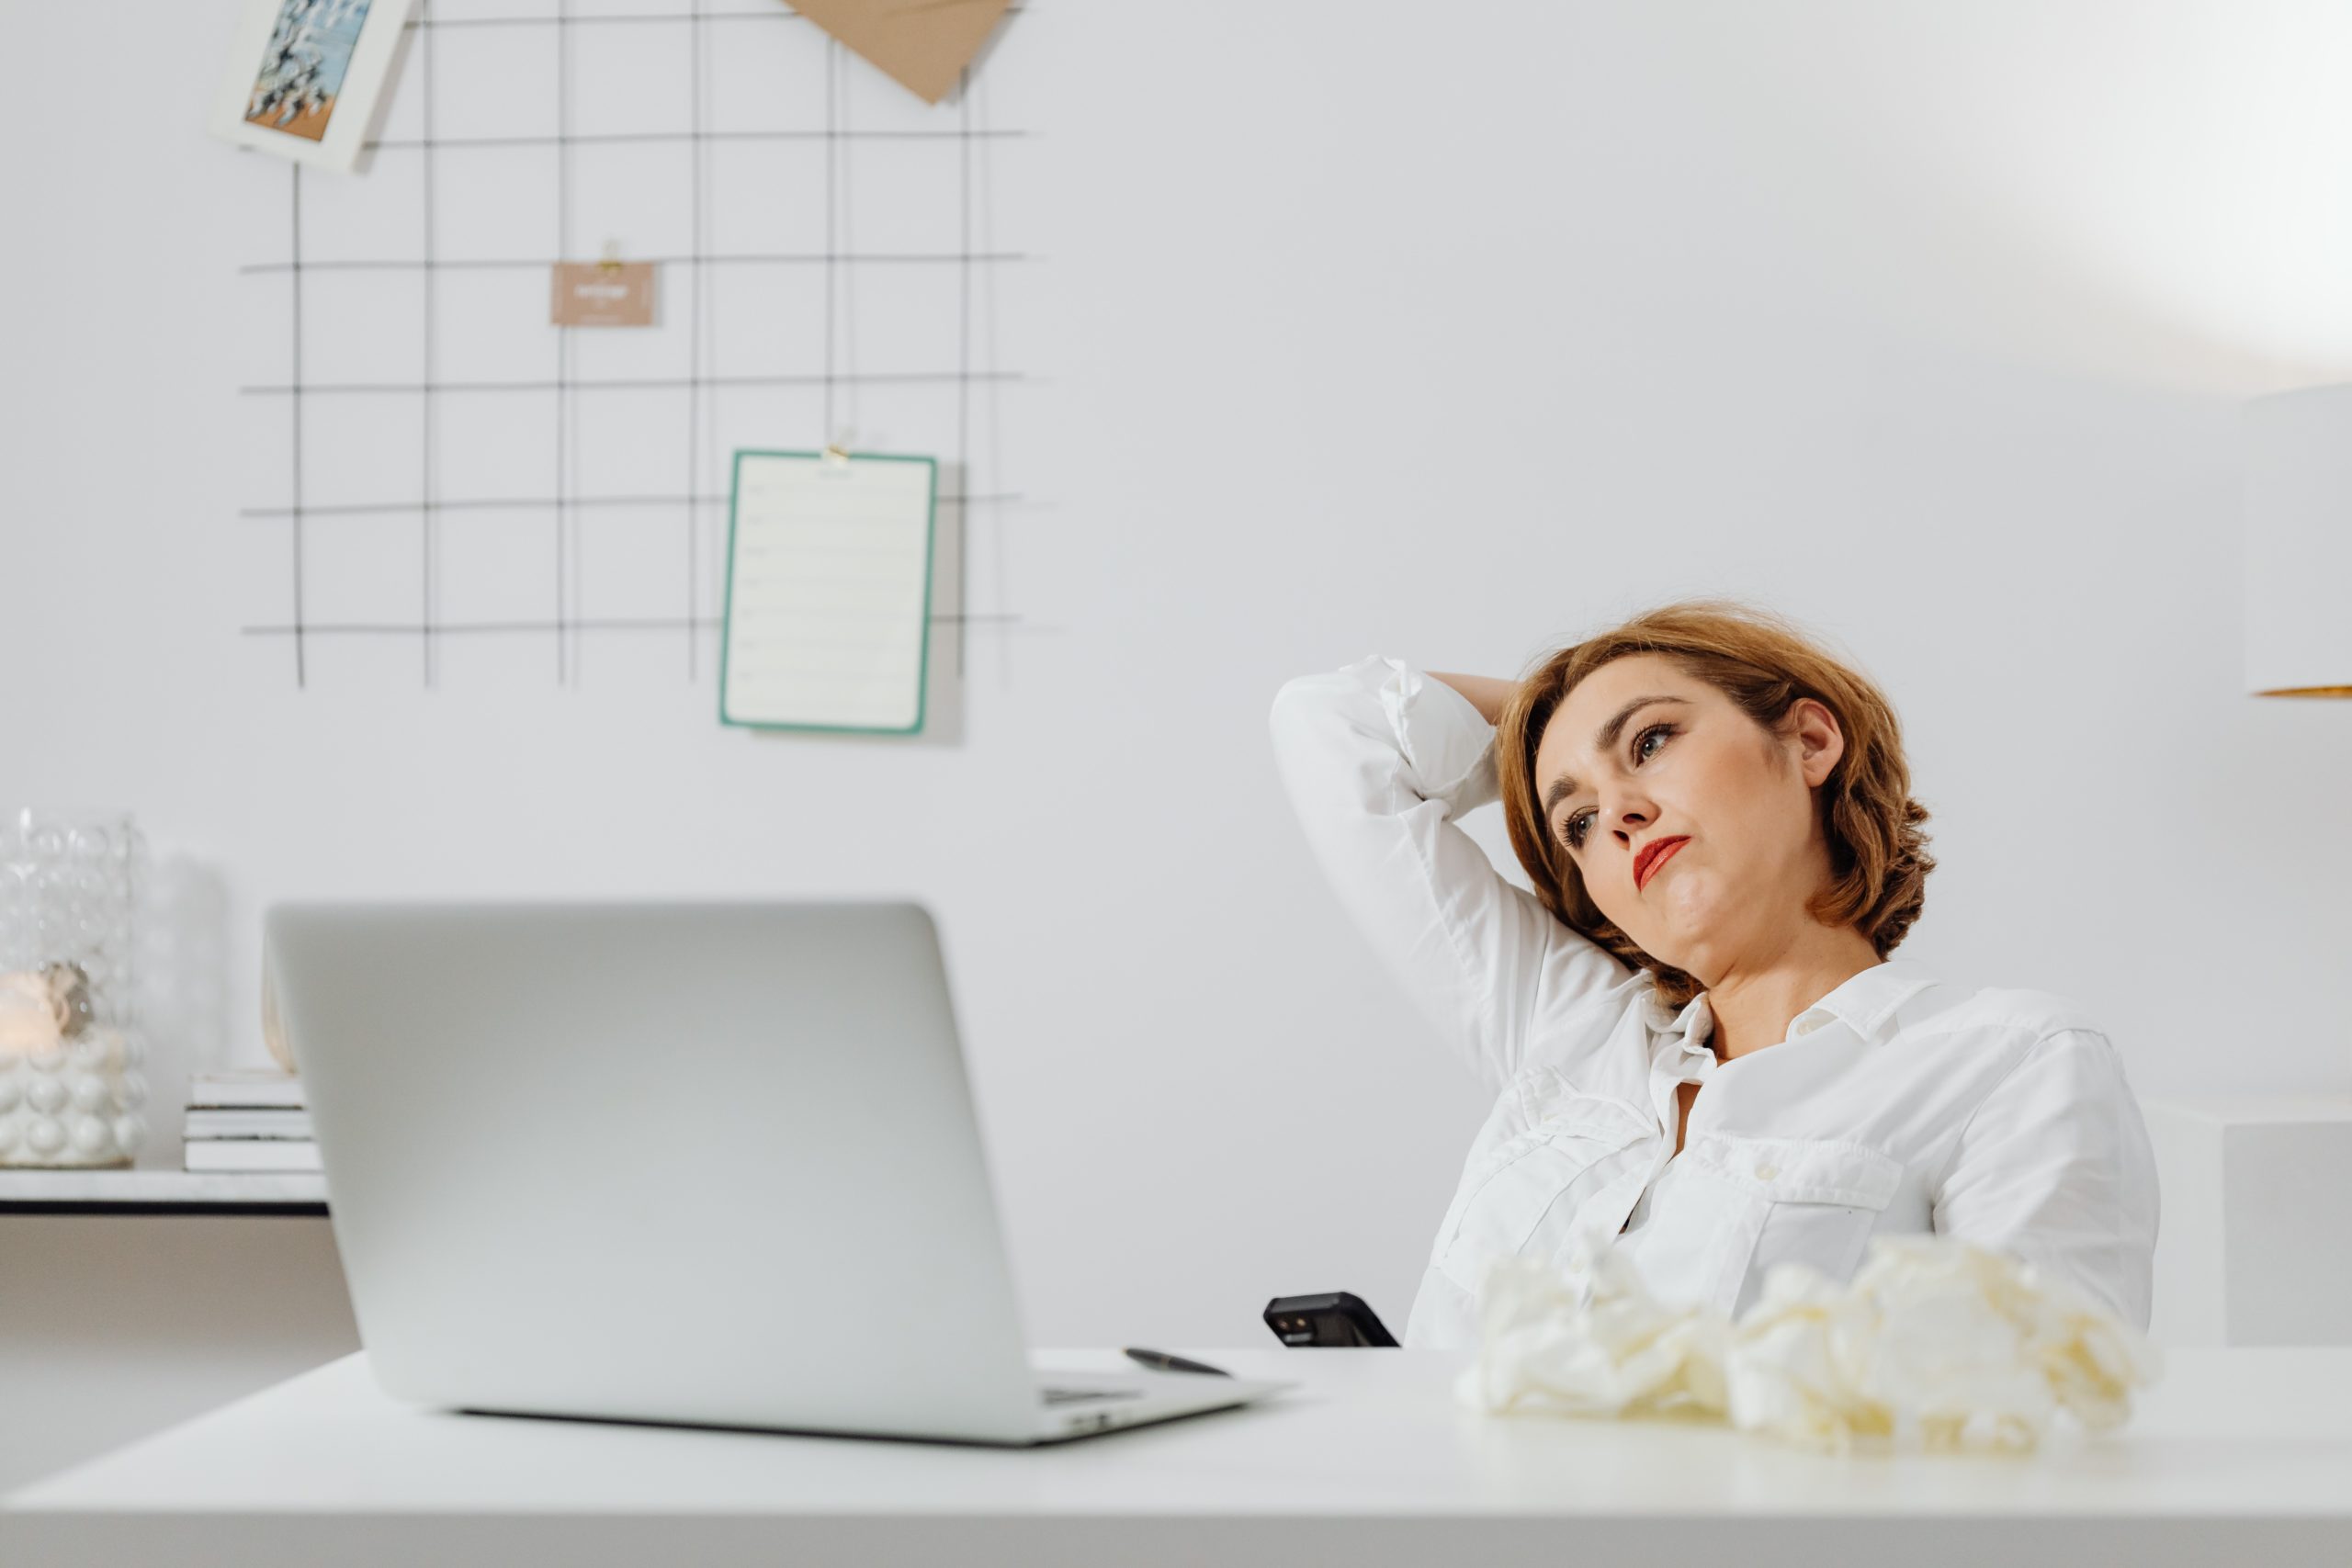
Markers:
point(71, 1088)
point(80, 1103)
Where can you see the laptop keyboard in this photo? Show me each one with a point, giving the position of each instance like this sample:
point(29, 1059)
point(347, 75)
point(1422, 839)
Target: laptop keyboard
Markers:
point(1080, 1396)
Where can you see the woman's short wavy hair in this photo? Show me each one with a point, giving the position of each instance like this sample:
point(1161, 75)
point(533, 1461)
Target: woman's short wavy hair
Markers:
point(1878, 858)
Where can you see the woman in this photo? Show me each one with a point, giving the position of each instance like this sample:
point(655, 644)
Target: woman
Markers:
point(1702, 1046)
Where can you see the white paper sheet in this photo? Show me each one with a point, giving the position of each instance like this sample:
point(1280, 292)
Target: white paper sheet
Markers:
point(828, 591)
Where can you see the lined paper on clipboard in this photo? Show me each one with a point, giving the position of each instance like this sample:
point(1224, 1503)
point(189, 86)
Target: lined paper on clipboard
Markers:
point(828, 591)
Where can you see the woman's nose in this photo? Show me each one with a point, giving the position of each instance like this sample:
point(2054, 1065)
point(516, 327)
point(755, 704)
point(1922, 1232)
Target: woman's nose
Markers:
point(1628, 818)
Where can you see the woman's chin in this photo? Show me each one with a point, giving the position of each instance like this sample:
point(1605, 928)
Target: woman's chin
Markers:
point(1679, 932)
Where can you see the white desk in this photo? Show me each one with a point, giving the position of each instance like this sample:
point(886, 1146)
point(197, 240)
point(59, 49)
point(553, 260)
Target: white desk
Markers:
point(2241, 1456)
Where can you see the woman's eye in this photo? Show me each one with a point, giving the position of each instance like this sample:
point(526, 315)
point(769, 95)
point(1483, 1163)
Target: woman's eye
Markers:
point(1573, 830)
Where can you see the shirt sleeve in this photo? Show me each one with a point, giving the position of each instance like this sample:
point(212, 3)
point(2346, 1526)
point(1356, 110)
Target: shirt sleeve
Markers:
point(1380, 761)
point(2055, 1168)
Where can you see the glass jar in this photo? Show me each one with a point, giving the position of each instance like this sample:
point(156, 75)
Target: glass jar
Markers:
point(73, 1087)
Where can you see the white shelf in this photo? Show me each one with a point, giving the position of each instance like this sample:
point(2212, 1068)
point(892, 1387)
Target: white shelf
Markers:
point(161, 1191)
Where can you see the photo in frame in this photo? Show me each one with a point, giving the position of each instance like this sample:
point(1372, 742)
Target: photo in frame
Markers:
point(307, 78)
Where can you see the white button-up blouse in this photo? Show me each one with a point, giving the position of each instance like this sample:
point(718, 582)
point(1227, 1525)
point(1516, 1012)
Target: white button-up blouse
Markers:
point(1896, 1103)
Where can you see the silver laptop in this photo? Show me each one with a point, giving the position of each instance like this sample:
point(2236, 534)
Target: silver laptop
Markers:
point(707, 1163)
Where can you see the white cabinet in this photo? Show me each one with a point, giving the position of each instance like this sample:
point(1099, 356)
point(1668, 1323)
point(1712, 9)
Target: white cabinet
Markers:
point(2255, 1245)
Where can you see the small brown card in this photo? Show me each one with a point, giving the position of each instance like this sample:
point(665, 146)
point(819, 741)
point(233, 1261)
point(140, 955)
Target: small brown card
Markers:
point(603, 294)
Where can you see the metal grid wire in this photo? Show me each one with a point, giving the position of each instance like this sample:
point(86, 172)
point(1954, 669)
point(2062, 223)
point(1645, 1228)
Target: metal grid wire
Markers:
point(442, 157)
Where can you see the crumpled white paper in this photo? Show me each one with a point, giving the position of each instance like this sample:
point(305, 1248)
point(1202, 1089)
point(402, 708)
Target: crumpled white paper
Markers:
point(1590, 1342)
point(1935, 1345)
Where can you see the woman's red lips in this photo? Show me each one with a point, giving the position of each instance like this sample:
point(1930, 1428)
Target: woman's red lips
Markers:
point(1653, 856)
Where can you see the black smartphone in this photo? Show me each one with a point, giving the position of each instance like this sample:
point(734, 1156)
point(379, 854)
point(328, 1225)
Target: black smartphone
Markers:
point(1336, 1318)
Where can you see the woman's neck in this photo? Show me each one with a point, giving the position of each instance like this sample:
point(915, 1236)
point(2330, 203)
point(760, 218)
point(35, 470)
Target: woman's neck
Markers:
point(1754, 1006)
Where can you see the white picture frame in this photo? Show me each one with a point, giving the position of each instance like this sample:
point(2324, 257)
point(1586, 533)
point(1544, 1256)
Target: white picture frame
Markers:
point(306, 79)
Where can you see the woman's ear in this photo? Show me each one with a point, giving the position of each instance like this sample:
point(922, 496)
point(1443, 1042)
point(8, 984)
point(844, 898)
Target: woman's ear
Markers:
point(1818, 740)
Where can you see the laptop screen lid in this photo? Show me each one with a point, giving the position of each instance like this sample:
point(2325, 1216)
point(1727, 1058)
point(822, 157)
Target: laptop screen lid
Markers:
point(707, 1162)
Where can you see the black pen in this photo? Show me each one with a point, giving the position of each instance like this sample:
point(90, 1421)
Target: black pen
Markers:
point(1161, 1361)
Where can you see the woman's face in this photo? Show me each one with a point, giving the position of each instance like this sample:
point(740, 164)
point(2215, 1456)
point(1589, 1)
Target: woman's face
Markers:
point(1641, 754)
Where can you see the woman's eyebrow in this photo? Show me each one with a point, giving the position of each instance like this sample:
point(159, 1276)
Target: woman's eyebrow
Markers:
point(1604, 739)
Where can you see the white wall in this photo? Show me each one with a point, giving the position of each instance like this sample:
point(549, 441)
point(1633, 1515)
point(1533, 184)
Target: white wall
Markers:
point(1445, 331)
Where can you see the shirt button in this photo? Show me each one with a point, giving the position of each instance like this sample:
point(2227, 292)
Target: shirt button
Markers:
point(1767, 1171)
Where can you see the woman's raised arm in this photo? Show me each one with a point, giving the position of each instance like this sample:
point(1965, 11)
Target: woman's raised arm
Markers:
point(1380, 758)
point(1484, 693)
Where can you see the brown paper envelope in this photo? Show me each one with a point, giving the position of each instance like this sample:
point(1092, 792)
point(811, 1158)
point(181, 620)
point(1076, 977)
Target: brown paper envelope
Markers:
point(923, 45)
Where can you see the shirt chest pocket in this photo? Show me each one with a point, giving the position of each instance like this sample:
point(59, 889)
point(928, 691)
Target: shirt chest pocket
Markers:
point(1813, 1200)
point(1523, 1197)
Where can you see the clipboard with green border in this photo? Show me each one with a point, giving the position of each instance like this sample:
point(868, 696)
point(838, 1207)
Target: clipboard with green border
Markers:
point(762, 687)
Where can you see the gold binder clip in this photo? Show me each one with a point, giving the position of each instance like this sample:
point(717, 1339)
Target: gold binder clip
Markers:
point(836, 454)
point(611, 262)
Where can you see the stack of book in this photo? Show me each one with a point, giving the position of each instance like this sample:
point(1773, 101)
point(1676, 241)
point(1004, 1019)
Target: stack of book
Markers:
point(248, 1119)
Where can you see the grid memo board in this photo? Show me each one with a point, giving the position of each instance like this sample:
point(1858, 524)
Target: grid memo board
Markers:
point(445, 473)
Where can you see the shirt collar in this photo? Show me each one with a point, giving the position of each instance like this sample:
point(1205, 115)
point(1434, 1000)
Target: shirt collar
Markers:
point(1866, 1003)
point(1695, 1023)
